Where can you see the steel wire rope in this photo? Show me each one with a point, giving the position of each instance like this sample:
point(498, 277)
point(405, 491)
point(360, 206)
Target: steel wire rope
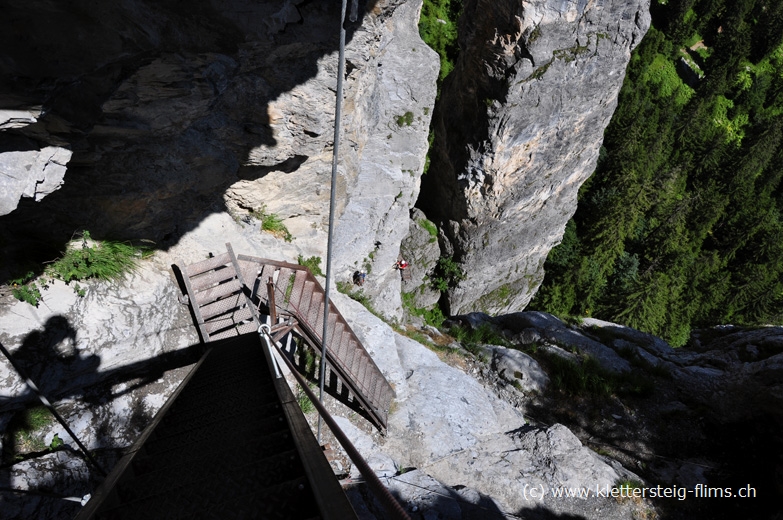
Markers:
point(335, 154)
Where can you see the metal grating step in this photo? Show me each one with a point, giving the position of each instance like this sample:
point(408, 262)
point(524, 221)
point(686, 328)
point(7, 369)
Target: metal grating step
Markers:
point(231, 320)
point(218, 291)
point(212, 278)
point(298, 293)
point(222, 306)
point(207, 265)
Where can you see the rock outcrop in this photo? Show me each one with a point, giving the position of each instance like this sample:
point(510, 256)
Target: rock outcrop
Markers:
point(172, 112)
point(518, 129)
point(105, 359)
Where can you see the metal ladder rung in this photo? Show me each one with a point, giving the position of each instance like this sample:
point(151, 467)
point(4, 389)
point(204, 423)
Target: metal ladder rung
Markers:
point(210, 278)
point(228, 321)
point(216, 308)
point(207, 265)
point(218, 291)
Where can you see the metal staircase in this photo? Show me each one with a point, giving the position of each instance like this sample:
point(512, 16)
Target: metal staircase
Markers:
point(224, 305)
point(291, 290)
point(219, 303)
point(230, 443)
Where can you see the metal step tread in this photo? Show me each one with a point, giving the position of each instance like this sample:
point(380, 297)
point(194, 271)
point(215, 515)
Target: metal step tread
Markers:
point(207, 265)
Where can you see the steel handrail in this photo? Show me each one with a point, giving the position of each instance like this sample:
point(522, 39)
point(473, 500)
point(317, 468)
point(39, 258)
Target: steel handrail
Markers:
point(372, 480)
point(303, 321)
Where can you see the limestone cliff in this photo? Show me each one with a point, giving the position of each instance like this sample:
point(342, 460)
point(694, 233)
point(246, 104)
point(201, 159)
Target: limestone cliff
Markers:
point(168, 112)
point(518, 128)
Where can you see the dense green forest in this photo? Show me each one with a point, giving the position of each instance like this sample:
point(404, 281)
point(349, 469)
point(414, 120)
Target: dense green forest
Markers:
point(680, 225)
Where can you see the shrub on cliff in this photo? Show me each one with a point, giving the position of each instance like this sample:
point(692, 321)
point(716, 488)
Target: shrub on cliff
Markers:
point(438, 29)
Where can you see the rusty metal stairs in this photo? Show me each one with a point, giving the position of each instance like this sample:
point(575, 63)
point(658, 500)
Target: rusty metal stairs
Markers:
point(289, 290)
point(224, 305)
point(217, 296)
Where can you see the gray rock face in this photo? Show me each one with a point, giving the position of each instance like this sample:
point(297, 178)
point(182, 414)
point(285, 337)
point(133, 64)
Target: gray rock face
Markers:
point(518, 129)
point(196, 110)
point(33, 174)
point(420, 249)
point(734, 372)
point(550, 330)
point(520, 369)
point(459, 433)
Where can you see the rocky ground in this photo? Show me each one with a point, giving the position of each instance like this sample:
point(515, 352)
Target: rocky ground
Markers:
point(707, 414)
point(480, 419)
point(110, 359)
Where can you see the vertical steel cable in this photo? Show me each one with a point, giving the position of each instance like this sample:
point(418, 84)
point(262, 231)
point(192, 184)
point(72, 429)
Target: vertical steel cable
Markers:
point(335, 152)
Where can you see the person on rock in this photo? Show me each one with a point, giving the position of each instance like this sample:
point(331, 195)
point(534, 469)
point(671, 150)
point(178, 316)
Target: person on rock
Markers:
point(401, 264)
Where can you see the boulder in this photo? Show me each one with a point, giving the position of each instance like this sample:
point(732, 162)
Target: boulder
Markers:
point(32, 174)
point(519, 369)
point(554, 331)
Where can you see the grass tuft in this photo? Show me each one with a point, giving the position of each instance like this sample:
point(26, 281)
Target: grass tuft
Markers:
point(82, 260)
point(404, 120)
point(106, 260)
point(313, 264)
point(304, 402)
point(272, 224)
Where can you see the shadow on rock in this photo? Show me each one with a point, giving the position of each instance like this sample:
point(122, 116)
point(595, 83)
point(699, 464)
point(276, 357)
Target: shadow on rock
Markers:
point(164, 105)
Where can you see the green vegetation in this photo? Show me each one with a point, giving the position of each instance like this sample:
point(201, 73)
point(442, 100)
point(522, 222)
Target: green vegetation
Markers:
point(438, 29)
point(484, 334)
point(500, 297)
point(626, 486)
point(82, 260)
point(304, 402)
point(289, 288)
point(313, 264)
point(358, 296)
point(586, 377)
point(430, 228)
point(26, 289)
point(106, 260)
point(680, 225)
point(56, 442)
point(272, 224)
point(434, 316)
point(28, 426)
point(447, 274)
point(404, 120)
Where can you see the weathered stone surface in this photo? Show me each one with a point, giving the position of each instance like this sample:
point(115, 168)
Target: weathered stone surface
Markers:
point(387, 124)
point(517, 130)
point(33, 174)
point(197, 110)
point(508, 467)
point(420, 249)
point(551, 330)
point(460, 433)
point(10, 118)
point(520, 369)
point(61, 473)
point(733, 371)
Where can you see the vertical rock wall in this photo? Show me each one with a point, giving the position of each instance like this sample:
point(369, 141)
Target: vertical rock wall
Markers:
point(518, 129)
point(170, 112)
